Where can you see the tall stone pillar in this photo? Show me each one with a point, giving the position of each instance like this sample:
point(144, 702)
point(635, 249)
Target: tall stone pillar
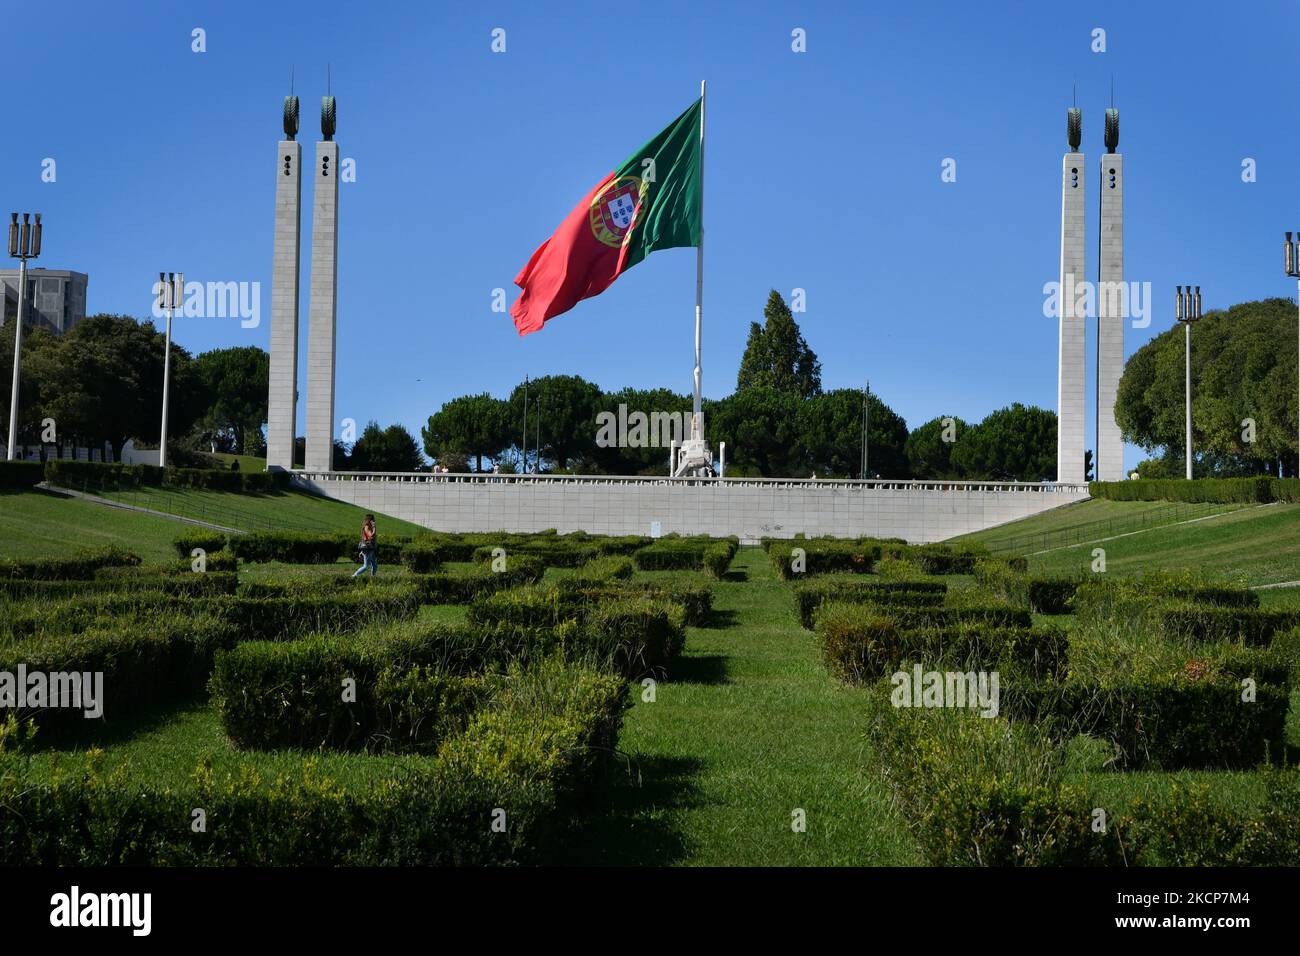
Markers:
point(1112, 306)
point(282, 397)
point(324, 290)
point(1070, 368)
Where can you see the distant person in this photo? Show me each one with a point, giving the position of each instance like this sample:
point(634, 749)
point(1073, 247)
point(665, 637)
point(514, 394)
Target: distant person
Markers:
point(367, 548)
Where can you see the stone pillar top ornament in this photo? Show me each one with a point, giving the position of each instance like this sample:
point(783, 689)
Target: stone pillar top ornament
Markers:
point(290, 117)
point(327, 118)
point(1112, 130)
point(1074, 127)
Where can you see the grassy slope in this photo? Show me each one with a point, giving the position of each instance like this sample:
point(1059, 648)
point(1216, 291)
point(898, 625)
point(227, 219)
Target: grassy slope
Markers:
point(749, 728)
point(1090, 517)
point(1260, 543)
point(36, 524)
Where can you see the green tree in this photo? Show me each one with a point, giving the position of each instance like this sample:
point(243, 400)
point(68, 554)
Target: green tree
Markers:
point(1243, 382)
point(1017, 442)
point(761, 431)
point(568, 417)
point(234, 384)
point(777, 356)
point(830, 431)
point(30, 404)
point(102, 382)
point(477, 425)
point(648, 459)
point(930, 446)
point(385, 449)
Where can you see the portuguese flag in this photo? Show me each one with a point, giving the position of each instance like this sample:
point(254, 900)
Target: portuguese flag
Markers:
point(650, 202)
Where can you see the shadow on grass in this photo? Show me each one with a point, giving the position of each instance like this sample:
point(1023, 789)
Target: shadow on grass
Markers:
point(721, 618)
point(74, 737)
point(633, 824)
point(704, 669)
point(736, 576)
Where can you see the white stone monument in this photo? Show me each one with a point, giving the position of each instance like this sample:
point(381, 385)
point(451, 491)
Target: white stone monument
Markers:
point(282, 400)
point(1070, 369)
point(1112, 306)
point(322, 309)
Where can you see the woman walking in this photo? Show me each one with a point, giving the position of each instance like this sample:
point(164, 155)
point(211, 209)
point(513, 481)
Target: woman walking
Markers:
point(369, 553)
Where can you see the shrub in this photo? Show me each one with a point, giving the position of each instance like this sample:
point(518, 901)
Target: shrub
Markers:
point(462, 587)
point(537, 748)
point(717, 558)
point(293, 547)
point(556, 553)
point(636, 636)
point(1189, 622)
point(1215, 490)
point(822, 557)
point(81, 566)
point(604, 569)
point(144, 662)
point(86, 474)
point(272, 695)
point(21, 475)
point(1041, 594)
point(1166, 722)
point(860, 644)
point(811, 595)
point(209, 541)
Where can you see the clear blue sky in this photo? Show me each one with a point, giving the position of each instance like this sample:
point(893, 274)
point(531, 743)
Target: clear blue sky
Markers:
point(821, 172)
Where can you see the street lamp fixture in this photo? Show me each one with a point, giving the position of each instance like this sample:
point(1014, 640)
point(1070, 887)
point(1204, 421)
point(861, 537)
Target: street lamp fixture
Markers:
point(1188, 310)
point(1293, 270)
point(24, 244)
point(171, 293)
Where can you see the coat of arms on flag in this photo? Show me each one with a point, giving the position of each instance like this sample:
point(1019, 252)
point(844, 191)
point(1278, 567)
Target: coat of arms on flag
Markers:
point(614, 208)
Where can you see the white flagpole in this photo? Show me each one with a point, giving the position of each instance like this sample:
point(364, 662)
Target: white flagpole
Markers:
point(699, 280)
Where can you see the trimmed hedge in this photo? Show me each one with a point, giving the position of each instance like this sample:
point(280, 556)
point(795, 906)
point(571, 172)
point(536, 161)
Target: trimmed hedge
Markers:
point(685, 589)
point(558, 553)
point(1252, 490)
point(80, 567)
point(861, 645)
point(603, 570)
point(462, 587)
point(822, 556)
point(684, 554)
point(1191, 623)
point(1042, 594)
point(982, 792)
point(292, 547)
point(209, 541)
point(145, 661)
point(274, 695)
point(21, 475)
point(537, 751)
point(1164, 722)
point(810, 596)
point(110, 476)
point(164, 581)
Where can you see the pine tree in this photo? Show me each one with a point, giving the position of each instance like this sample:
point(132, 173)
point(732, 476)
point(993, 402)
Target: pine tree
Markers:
point(777, 356)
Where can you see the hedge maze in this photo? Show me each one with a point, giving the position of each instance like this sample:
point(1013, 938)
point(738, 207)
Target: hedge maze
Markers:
point(1107, 732)
point(460, 708)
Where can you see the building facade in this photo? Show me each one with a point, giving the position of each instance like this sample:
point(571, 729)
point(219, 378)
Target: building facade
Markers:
point(56, 298)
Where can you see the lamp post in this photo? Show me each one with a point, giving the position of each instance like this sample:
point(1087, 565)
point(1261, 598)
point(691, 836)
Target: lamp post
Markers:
point(171, 291)
point(537, 445)
point(1293, 270)
point(24, 244)
point(523, 465)
point(1188, 310)
point(866, 424)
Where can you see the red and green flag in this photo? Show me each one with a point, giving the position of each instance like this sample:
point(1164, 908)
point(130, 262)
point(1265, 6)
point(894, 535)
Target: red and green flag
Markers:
point(650, 202)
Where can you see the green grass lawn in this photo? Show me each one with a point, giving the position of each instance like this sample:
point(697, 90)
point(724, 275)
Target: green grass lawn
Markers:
point(246, 462)
point(34, 524)
point(749, 728)
point(1258, 544)
point(40, 524)
point(288, 510)
point(1088, 520)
